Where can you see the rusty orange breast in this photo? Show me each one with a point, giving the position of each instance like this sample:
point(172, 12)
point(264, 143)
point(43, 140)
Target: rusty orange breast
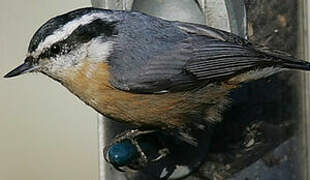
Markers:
point(90, 82)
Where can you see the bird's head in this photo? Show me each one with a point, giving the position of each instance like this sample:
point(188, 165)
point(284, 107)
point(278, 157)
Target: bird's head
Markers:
point(65, 41)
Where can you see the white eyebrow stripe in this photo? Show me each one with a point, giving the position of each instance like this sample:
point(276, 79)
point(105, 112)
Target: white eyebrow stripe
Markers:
point(67, 29)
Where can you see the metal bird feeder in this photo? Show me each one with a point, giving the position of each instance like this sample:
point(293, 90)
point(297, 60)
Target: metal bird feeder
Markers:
point(230, 16)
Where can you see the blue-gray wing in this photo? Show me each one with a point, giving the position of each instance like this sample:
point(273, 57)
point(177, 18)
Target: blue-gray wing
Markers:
point(173, 56)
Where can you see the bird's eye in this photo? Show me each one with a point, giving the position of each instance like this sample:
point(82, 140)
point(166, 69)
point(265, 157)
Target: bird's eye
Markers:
point(55, 49)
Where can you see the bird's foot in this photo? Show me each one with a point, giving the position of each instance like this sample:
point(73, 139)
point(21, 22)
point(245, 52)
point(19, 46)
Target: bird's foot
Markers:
point(134, 149)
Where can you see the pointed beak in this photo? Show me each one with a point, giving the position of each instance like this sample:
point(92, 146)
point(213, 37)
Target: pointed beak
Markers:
point(21, 69)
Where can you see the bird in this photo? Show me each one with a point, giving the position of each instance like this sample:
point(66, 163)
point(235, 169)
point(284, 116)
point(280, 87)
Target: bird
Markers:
point(146, 71)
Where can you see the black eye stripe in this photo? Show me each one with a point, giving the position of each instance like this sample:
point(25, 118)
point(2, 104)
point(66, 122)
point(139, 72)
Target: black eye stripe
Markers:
point(81, 35)
point(45, 54)
point(58, 22)
point(85, 33)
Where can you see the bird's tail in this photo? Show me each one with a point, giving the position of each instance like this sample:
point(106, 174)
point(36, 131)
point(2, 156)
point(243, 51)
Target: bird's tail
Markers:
point(285, 60)
point(296, 64)
point(273, 62)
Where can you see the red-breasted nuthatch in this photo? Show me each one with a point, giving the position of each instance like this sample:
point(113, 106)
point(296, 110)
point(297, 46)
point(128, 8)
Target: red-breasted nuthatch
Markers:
point(147, 71)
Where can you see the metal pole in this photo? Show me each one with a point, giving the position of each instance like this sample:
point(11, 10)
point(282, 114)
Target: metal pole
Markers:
point(304, 35)
point(100, 134)
point(106, 129)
